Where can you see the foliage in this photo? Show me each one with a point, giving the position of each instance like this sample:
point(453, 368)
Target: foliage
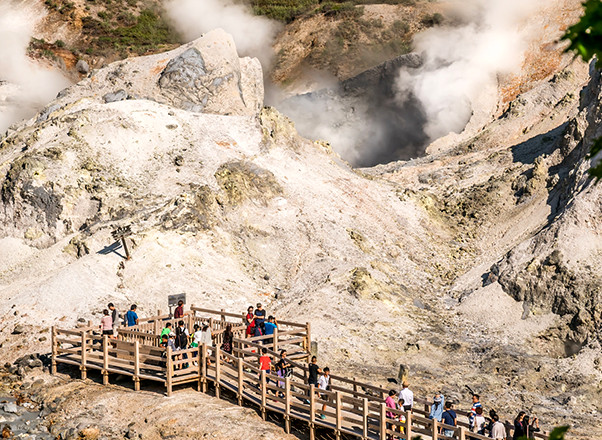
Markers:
point(585, 40)
point(432, 20)
point(283, 10)
point(596, 170)
point(585, 36)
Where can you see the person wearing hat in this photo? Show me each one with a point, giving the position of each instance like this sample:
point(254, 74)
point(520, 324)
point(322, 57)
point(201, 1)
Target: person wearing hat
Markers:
point(407, 395)
point(437, 407)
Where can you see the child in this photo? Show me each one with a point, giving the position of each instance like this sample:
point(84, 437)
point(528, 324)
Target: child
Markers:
point(265, 364)
point(324, 384)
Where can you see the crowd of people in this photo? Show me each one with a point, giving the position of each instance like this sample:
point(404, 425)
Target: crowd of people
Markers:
point(478, 423)
point(258, 325)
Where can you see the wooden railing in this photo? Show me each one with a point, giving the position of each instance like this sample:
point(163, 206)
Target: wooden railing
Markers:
point(349, 407)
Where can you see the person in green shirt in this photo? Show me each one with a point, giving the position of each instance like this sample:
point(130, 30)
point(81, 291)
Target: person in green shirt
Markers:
point(165, 331)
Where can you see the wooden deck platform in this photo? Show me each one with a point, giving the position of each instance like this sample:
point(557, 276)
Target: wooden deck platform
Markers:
point(351, 407)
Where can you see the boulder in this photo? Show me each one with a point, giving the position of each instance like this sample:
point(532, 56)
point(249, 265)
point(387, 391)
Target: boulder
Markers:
point(82, 67)
point(205, 75)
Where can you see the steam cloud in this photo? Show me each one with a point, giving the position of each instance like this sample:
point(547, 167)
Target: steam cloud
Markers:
point(252, 34)
point(462, 62)
point(25, 86)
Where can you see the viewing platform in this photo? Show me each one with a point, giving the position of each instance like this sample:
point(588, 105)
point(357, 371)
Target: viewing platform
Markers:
point(352, 407)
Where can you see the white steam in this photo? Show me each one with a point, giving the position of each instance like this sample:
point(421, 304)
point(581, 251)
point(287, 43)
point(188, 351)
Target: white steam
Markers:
point(462, 62)
point(253, 35)
point(25, 86)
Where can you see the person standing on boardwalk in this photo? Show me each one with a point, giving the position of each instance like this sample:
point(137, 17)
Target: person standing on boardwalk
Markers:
point(114, 315)
point(131, 317)
point(479, 422)
point(166, 330)
point(265, 364)
point(270, 326)
point(449, 417)
point(476, 403)
point(228, 339)
point(106, 324)
point(519, 427)
point(437, 408)
point(314, 372)
point(259, 320)
point(250, 320)
point(390, 403)
point(407, 395)
point(179, 312)
point(498, 430)
point(324, 384)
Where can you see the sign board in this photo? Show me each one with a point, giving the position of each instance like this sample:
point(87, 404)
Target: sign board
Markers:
point(172, 300)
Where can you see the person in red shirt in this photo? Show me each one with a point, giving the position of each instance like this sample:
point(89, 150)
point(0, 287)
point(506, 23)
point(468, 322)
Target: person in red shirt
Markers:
point(265, 363)
point(179, 313)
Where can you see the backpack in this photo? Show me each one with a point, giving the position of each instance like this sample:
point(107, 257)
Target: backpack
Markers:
point(181, 340)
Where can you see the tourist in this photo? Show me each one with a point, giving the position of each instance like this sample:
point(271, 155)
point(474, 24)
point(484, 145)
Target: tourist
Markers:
point(531, 427)
point(131, 317)
point(324, 384)
point(449, 417)
point(114, 315)
point(476, 403)
point(250, 323)
point(498, 430)
point(402, 418)
point(390, 403)
point(228, 340)
point(179, 312)
point(196, 336)
point(519, 428)
point(314, 371)
point(163, 341)
point(265, 364)
point(479, 421)
point(259, 320)
point(283, 366)
point(181, 336)
point(270, 326)
point(206, 336)
point(437, 408)
point(407, 395)
point(490, 421)
point(106, 323)
point(166, 330)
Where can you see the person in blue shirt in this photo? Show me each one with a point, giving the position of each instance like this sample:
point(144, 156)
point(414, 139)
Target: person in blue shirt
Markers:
point(131, 318)
point(269, 326)
point(449, 417)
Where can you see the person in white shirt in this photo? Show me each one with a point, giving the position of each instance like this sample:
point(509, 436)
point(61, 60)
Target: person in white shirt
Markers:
point(498, 430)
point(407, 396)
point(324, 384)
point(479, 422)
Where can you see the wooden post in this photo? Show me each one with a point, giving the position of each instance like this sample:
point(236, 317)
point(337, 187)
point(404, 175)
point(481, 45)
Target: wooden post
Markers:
point(190, 323)
point(169, 373)
point(365, 419)
point(308, 338)
point(275, 337)
point(136, 366)
point(158, 327)
point(218, 362)
point(383, 422)
point(287, 405)
point(223, 316)
point(203, 364)
point(263, 395)
point(408, 424)
point(435, 431)
point(462, 435)
point(54, 350)
point(338, 414)
point(240, 382)
point(355, 392)
point(105, 359)
point(84, 354)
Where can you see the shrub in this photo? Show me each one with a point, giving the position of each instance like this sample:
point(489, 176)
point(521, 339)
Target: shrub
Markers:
point(432, 20)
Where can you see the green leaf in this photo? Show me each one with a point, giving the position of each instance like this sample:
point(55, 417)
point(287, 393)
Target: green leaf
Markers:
point(558, 433)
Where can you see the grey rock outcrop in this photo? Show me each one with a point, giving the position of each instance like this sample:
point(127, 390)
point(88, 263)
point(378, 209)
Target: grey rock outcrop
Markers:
point(205, 75)
point(82, 67)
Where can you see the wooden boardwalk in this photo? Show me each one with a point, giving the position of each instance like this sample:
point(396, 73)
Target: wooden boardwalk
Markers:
point(352, 407)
